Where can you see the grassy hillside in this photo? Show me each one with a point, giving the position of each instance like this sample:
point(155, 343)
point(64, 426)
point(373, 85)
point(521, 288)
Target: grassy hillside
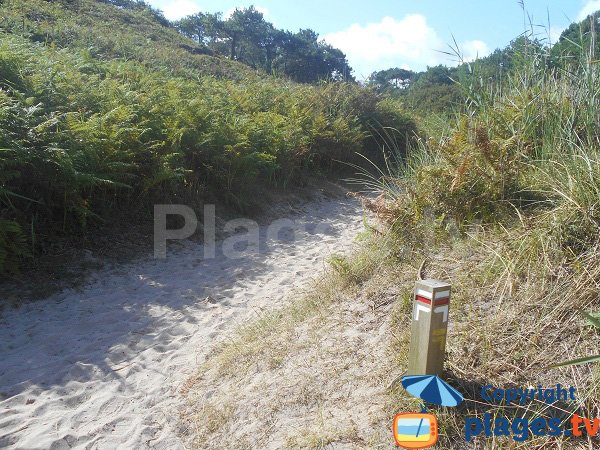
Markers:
point(107, 109)
point(135, 34)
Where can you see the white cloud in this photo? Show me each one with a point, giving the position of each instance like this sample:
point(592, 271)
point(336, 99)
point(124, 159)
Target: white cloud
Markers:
point(408, 42)
point(472, 50)
point(590, 7)
point(176, 9)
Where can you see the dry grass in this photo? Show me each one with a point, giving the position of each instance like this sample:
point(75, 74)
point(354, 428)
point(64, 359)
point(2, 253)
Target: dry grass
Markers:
point(312, 375)
point(509, 323)
point(323, 372)
point(523, 162)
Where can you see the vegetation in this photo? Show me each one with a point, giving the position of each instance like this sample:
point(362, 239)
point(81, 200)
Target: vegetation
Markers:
point(577, 39)
point(107, 109)
point(502, 202)
point(514, 155)
point(438, 89)
point(106, 106)
point(593, 320)
point(517, 179)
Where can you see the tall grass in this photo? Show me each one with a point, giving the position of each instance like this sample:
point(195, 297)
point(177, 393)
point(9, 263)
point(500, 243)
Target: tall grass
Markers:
point(529, 148)
point(515, 185)
point(524, 165)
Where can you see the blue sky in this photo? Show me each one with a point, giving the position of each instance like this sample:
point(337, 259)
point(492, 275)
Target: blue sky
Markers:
point(380, 34)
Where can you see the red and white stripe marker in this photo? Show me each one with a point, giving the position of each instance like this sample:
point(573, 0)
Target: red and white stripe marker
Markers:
point(429, 328)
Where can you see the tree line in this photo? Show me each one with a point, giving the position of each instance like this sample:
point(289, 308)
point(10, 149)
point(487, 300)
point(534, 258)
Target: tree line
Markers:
point(246, 36)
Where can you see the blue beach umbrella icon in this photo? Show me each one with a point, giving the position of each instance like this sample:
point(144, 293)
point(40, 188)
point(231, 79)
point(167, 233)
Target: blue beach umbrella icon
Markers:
point(432, 389)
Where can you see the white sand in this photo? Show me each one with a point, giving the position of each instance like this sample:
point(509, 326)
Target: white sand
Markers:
point(101, 367)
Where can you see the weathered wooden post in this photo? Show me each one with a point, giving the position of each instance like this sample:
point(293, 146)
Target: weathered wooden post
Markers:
point(429, 327)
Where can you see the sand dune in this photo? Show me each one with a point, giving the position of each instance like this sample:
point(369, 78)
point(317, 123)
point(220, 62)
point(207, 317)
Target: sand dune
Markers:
point(101, 367)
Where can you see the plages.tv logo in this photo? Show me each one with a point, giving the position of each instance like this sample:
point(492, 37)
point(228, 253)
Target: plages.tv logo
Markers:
point(522, 428)
point(420, 430)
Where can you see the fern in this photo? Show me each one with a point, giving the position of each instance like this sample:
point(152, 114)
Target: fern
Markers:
point(97, 120)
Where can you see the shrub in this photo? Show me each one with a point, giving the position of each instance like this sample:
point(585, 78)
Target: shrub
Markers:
point(87, 137)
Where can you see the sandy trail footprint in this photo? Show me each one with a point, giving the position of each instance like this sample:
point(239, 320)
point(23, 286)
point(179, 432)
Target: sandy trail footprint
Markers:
point(100, 367)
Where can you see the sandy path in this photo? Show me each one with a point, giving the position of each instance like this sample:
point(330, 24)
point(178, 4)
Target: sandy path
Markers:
point(101, 367)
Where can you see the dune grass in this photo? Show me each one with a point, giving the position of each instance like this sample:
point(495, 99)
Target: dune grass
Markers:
point(508, 326)
point(504, 205)
point(517, 180)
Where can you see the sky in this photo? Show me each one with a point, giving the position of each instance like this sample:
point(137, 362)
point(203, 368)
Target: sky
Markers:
point(411, 34)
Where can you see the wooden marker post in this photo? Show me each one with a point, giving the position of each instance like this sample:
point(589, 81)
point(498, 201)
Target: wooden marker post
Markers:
point(429, 327)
